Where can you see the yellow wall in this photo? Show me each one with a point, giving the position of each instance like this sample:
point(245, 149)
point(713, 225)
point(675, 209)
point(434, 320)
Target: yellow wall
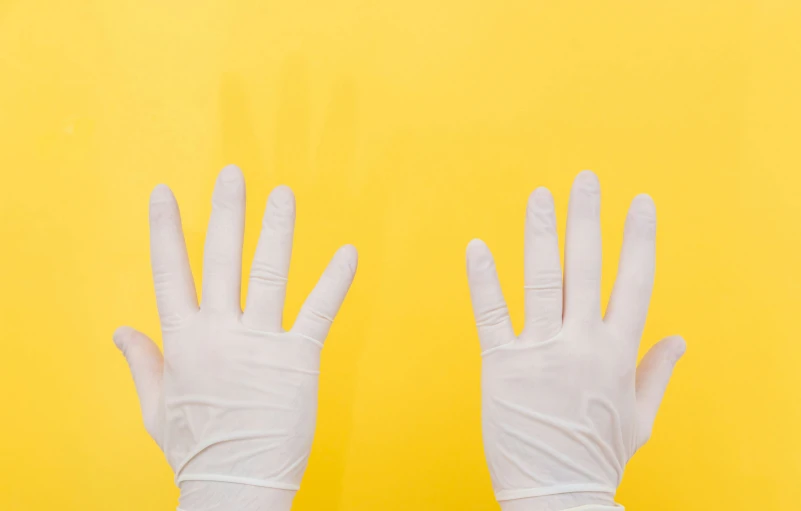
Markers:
point(405, 128)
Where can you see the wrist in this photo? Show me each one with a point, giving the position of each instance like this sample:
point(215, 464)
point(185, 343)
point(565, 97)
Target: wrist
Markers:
point(219, 496)
point(584, 501)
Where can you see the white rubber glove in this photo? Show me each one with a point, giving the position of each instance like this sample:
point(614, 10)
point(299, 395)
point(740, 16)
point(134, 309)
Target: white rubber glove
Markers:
point(564, 406)
point(234, 398)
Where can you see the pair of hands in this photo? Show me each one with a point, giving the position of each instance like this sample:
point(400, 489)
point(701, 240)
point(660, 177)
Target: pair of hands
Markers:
point(232, 401)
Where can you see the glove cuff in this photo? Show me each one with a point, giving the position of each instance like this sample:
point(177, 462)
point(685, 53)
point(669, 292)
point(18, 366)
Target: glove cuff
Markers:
point(563, 498)
point(593, 507)
point(216, 496)
point(553, 490)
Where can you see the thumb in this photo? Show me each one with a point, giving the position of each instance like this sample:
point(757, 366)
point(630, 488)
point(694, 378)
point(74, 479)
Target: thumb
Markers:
point(653, 375)
point(146, 363)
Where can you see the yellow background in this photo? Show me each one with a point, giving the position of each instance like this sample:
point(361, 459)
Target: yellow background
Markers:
point(406, 128)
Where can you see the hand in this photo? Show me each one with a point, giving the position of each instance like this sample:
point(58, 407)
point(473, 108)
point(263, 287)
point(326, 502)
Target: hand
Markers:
point(564, 405)
point(233, 401)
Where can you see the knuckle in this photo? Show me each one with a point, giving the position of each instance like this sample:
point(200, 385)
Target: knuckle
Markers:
point(545, 281)
point(316, 314)
point(162, 278)
point(493, 316)
point(266, 275)
point(171, 322)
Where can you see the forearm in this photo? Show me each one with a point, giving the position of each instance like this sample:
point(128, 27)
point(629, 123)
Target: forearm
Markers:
point(215, 496)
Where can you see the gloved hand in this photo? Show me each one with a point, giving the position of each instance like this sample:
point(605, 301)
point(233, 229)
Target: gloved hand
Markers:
point(234, 398)
point(564, 405)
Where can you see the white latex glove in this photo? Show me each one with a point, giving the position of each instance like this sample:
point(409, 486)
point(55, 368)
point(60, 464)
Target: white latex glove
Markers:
point(564, 405)
point(234, 398)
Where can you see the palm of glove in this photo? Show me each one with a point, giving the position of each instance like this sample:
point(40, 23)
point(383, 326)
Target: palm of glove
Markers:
point(239, 402)
point(564, 406)
point(537, 406)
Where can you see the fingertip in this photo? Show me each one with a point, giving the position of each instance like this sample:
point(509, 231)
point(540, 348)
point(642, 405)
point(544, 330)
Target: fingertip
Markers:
point(641, 219)
point(670, 349)
point(678, 346)
point(230, 172)
point(160, 194)
point(349, 256)
point(476, 246)
point(231, 176)
point(280, 208)
point(229, 189)
point(588, 180)
point(349, 250)
point(643, 204)
point(121, 336)
point(541, 198)
point(479, 256)
point(282, 196)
